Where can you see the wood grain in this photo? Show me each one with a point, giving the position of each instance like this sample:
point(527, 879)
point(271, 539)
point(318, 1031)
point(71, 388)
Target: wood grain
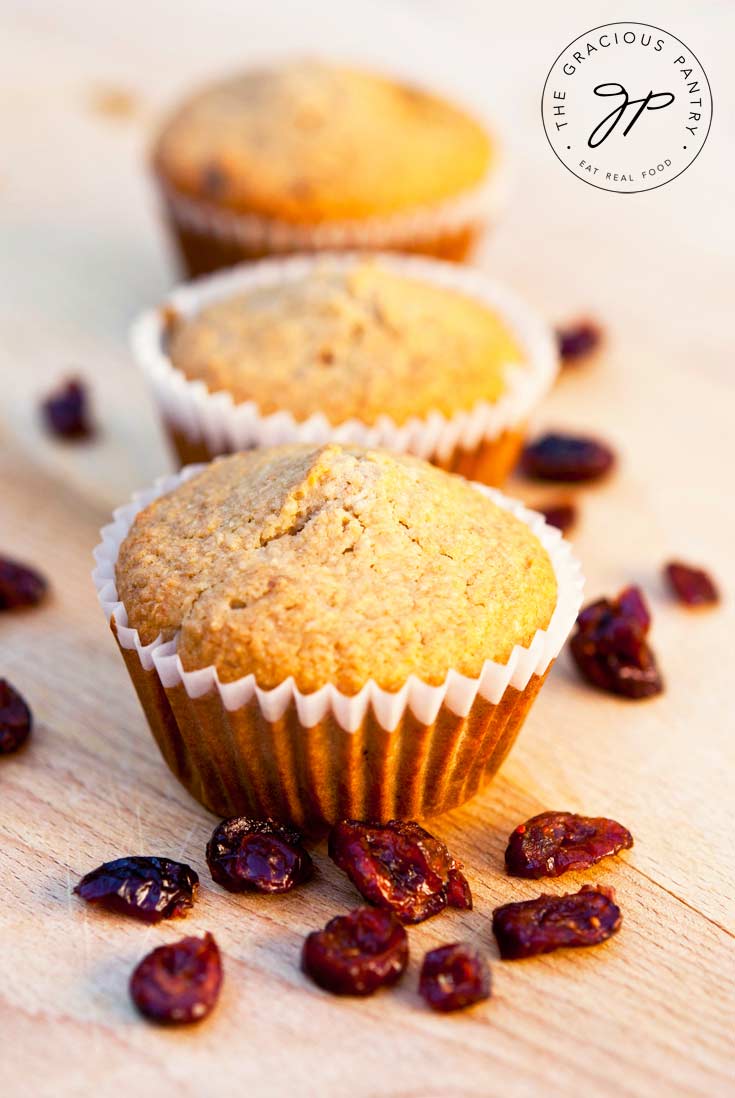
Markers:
point(652, 1011)
point(645, 1008)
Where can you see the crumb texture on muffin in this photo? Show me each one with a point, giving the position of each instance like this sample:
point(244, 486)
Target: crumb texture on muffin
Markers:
point(309, 142)
point(356, 341)
point(333, 564)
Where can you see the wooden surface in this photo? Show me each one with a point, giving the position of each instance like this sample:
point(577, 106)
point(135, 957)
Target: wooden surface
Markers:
point(649, 1013)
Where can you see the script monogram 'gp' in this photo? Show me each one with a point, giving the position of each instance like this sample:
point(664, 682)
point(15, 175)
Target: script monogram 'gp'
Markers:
point(654, 101)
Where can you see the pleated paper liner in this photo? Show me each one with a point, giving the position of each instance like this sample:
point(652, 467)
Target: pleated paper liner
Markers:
point(481, 443)
point(313, 759)
point(209, 237)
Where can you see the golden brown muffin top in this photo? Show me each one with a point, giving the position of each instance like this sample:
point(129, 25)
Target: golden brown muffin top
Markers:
point(333, 564)
point(308, 142)
point(356, 342)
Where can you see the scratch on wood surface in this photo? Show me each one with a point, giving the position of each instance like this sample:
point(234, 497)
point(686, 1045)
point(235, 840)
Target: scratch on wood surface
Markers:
point(681, 900)
point(185, 844)
point(69, 901)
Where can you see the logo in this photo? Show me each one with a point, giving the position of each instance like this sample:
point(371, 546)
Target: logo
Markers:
point(627, 107)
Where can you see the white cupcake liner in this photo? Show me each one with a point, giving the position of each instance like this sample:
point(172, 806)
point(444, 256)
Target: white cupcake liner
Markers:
point(472, 208)
point(458, 692)
point(226, 426)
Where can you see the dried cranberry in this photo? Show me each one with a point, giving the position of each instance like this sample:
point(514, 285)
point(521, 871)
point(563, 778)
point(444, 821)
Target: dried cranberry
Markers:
point(578, 340)
point(554, 842)
point(581, 918)
point(459, 894)
point(567, 458)
point(454, 976)
point(631, 604)
point(149, 889)
point(180, 983)
point(20, 586)
point(692, 586)
point(65, 411)
point(356, 954)
point(563, 515)
point(610, 646)
point(214, 181)
point(15, 719)
point(399, 866)
point(257, 855)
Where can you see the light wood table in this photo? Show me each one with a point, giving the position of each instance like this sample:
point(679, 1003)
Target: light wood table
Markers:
point(649, 1013)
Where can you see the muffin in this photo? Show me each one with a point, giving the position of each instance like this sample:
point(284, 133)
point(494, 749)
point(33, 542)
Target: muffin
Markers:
point(320, 632)
point(411, 355)
point(306, 155)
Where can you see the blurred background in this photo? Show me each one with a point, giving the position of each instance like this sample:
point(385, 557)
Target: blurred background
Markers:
point(83, 85)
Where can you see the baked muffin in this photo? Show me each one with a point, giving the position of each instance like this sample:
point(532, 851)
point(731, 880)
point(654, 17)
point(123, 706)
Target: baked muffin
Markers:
point(307, 155)
point(411, 355)
point(324, 632)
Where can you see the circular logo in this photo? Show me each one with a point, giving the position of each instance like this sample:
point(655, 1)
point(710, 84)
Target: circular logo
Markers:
point(627, 107)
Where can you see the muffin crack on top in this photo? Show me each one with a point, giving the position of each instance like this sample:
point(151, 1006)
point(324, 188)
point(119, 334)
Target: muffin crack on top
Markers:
point(333, 564)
